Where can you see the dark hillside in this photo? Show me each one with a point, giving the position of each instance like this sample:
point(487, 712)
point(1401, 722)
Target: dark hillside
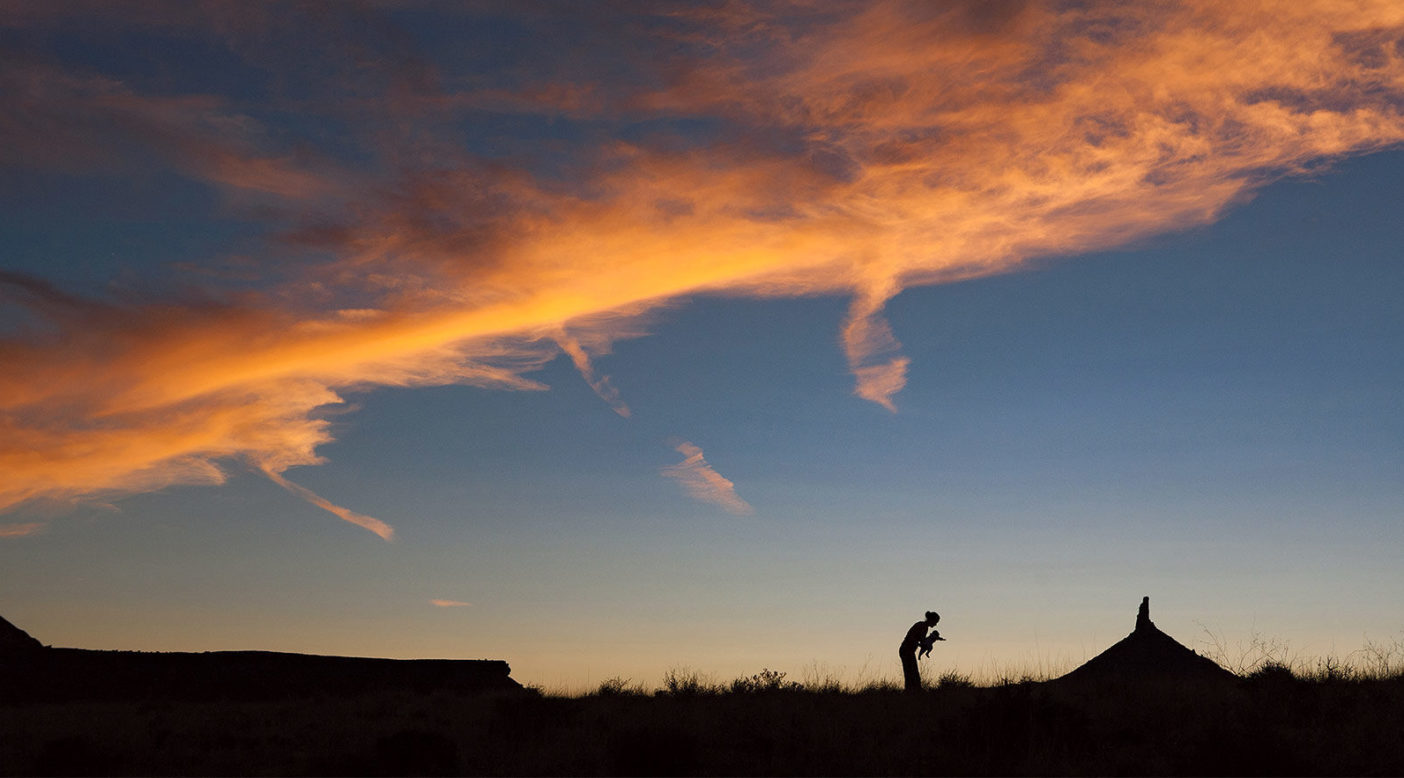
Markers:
point(15, 642)
point(1259, 726)
point(30, 672)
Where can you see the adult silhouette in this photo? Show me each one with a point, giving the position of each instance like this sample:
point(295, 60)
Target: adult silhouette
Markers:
point(911, 677)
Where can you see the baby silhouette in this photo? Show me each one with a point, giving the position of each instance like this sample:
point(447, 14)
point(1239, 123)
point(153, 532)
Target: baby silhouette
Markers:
point(927, 642)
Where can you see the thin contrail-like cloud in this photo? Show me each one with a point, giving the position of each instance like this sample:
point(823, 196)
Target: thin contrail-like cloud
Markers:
point(368, 522)
point(702, 482)
point(450, 604)
point(600, 383)
point(857, 150)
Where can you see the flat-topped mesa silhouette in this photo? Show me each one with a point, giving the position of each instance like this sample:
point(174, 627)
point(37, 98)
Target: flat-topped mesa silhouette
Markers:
point(30, 671)
point(1148, 653)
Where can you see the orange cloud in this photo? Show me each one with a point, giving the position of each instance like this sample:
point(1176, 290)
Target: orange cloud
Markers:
point(860, 151)
point(704, 483)
point(450, 604)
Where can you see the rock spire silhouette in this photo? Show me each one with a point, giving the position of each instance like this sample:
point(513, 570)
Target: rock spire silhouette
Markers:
point(1148, 653)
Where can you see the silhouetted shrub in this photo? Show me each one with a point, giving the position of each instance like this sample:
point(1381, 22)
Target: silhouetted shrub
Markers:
point(1379, 660)
point(765, 681)
point(619, 687)
point(1273, 672)
point(1331, 669)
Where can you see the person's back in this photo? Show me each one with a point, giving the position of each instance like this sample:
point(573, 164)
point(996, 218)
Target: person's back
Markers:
point(914, 637)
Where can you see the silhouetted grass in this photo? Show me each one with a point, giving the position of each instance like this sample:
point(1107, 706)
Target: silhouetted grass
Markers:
point(954, 679)
point(1327, 717)
point(686, 682)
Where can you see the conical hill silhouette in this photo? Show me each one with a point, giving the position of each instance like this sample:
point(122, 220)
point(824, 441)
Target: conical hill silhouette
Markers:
point(1148, 653)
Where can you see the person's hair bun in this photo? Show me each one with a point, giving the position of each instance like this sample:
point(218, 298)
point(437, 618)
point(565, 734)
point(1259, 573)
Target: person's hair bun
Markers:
point(933, 616)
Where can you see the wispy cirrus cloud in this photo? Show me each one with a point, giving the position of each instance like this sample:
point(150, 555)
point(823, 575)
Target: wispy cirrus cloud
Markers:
point(600, 383)
point(60, 119)
point(22, 529)
point(703, 483)
point(857, 150)
point(450, 604)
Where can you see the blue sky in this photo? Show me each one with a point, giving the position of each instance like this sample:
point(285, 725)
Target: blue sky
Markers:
point(1196, 402)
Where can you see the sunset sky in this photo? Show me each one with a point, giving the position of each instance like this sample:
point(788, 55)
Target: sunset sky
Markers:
point(612, 338)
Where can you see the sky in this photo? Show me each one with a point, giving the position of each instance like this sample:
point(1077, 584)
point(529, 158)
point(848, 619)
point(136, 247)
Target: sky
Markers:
point(609, 339)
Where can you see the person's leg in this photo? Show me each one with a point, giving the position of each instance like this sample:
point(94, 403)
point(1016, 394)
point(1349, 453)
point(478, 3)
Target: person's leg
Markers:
point(911, 677)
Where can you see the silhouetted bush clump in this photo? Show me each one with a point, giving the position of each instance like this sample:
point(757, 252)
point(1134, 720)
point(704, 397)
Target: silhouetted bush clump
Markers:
point(765, 681)
point(619, 687)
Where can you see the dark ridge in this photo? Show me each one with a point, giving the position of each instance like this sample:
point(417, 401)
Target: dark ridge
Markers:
point(29, 672)
point(1148, 653)
point(14, 640)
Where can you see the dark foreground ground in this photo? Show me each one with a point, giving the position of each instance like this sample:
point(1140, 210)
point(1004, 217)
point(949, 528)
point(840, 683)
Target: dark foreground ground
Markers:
point(1271, 724)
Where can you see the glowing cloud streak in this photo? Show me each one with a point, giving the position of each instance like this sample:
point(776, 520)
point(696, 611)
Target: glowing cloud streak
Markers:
point(600, 383)
point(703, 483)
point(369, 522)
point(858, 150)
point(450, 604)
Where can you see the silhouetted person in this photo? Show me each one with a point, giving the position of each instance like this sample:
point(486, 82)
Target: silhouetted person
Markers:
point(916, 636)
